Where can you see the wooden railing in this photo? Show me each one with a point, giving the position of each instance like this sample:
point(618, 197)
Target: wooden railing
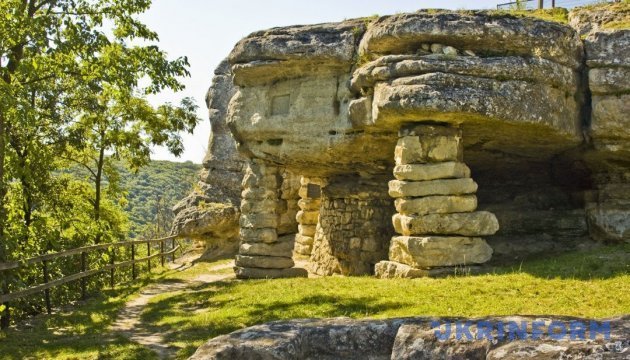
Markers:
point(47, 284)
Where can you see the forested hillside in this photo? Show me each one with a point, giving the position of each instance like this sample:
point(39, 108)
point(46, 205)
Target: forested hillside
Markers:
point(165, 182)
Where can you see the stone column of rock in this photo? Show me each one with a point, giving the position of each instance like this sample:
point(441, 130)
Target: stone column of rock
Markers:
point(308, 216)
point(435, 204)
point(262, 254)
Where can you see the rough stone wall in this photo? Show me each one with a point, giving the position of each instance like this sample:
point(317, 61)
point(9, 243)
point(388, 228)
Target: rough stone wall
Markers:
point(354, 227)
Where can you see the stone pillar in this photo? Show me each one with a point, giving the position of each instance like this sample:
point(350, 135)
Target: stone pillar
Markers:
point(435, 203)
point(262, 254)
point(308, 216)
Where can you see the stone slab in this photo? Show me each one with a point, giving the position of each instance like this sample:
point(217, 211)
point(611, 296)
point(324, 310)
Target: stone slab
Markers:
point(250, 235)
point(399, 188)
point(479, 223)
point(436, 251)
point(424, 172)
point(281, 248)
point(436, 204)
point(429, 149)
point(307, 230)
point(258, 221)
point(265, 262)
point(393, 270)
point(258, 273)
point(307, 217)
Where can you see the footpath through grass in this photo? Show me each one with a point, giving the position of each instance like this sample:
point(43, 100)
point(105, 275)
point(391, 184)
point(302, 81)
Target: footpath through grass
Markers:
point(587, 284)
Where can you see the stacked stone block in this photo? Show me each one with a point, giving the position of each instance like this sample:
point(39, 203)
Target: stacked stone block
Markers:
point(308, 216)
point(262, 253)
point(435, 203)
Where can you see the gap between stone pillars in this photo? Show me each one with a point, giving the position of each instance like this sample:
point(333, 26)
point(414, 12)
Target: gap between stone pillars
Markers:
point(435, 203)
point(262, 253)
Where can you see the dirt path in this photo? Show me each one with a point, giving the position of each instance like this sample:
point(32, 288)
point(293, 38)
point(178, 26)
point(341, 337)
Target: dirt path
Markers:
point(128, 322)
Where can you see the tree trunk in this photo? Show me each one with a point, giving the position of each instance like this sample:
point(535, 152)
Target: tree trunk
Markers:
point(98, 189)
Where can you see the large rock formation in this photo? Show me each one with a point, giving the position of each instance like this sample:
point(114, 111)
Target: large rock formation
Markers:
point(535, 112)
point(425, 338)
point(210, 213)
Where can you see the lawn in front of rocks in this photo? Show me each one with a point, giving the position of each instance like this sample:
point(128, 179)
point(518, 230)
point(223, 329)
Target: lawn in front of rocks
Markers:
point(594, 283)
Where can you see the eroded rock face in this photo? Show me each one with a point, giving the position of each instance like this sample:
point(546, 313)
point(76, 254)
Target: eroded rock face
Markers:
point(414, 338)
point(210, 214)
point(539, 112)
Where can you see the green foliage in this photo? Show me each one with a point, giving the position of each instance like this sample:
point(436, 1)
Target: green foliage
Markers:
point(163, 181)
point(559, 15)
point(70, 93)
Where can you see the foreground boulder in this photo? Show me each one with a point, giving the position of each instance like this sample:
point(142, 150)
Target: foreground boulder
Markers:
point(425, 338)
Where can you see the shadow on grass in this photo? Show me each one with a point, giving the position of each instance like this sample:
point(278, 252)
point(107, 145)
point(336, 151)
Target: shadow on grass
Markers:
point(172, 315)
point(601, 262)
point(76, 331)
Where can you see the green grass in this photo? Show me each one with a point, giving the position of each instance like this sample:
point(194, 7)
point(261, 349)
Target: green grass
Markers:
point(559, 15)
point(592, 284)
point(81, 333)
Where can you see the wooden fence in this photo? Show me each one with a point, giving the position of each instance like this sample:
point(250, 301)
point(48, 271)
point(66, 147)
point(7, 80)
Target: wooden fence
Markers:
point(47, 284)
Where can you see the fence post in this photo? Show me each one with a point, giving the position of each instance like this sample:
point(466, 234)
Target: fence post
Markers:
point(47, 291)
point(83, 269)
point(149, 255)
point(112, 261)
point(133, 258)
point(162, 252)
point(553, 4)
point(541, 4)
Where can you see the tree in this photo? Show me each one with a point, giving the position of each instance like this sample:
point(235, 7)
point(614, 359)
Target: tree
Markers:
point(69, 86)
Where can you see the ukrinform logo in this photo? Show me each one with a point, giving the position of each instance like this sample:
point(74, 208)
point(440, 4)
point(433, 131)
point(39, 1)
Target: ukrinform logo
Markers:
point(512, 330)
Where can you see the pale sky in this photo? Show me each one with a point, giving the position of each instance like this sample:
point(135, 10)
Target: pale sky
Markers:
point(206, 30)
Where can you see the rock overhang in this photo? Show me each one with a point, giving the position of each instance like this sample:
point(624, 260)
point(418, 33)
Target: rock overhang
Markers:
point(330, 98)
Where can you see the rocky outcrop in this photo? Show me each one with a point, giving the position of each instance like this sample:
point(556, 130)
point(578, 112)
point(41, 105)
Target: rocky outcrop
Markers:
point(541, 114)
point(210, 213)
point(425, 338)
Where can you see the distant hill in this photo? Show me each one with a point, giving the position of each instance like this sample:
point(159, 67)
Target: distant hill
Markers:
point(170, 181)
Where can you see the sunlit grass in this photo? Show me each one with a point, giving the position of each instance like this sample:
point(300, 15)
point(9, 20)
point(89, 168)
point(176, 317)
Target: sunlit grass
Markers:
point(593, 284)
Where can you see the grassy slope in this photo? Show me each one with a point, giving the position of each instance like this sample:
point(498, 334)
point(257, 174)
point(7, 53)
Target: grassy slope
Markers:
point(587, 284)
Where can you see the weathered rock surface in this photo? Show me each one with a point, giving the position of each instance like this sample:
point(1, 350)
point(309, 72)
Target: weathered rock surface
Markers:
point(210, 214)
point(436, 204)
point(409, 338)
point(446, 170)
point(434, 251)
point(398, 188)
point(479, 223)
